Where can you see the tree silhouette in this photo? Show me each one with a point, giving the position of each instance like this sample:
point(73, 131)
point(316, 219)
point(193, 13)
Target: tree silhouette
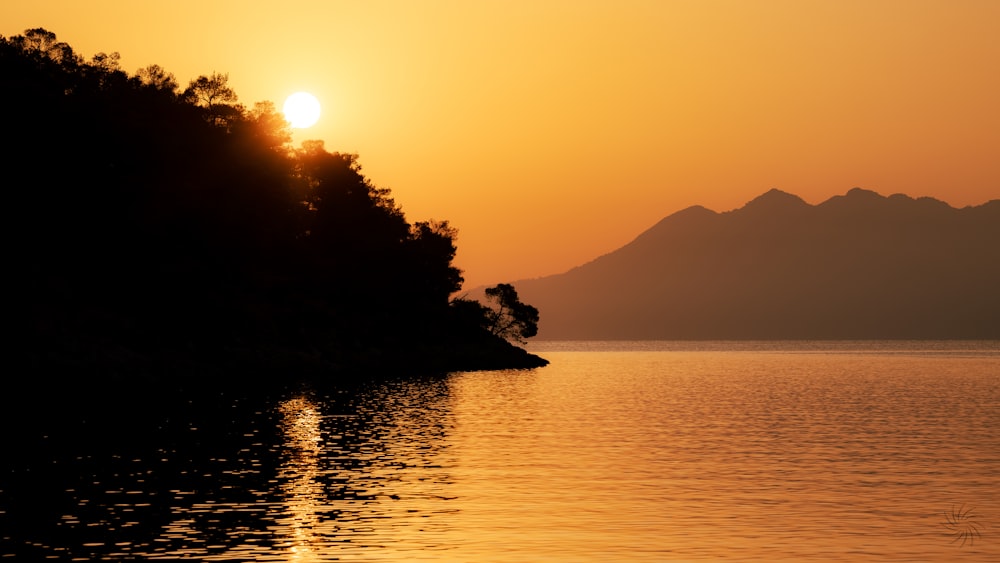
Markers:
point(433, 249)
point(209, 91)
point(188, 227)
point(44, 42)
point(507, 316)
point(156, 77)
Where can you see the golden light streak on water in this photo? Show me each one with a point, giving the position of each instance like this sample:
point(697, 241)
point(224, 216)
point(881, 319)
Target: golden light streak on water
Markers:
point(298, 474)
point(614, 452)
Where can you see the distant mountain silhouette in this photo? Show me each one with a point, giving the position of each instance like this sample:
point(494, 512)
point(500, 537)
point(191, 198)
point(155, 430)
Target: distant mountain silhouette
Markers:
point(859, 265)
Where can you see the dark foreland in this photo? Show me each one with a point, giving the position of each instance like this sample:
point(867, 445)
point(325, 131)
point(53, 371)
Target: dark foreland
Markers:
point(858, 266)
point(156, 232)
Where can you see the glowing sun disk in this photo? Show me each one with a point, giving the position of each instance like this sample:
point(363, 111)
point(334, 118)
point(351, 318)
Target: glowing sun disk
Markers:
point(301, 109)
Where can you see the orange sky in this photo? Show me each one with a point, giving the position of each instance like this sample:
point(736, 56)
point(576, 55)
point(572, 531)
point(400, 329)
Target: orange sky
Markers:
point(551, 132)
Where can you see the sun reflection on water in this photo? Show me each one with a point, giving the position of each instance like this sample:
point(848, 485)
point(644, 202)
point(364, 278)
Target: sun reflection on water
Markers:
point(600, 456)
point(299, 477)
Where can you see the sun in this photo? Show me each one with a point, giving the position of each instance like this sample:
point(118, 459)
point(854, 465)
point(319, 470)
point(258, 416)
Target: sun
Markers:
point(301, 109)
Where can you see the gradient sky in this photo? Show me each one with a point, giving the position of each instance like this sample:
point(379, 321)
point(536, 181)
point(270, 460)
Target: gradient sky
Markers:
point(551, 132)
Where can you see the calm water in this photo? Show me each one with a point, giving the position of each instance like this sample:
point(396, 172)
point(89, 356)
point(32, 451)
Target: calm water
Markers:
point(631, 451)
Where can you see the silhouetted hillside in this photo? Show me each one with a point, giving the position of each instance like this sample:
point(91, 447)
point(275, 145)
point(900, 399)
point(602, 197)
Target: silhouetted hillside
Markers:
point(856, 266)
point(158, 231)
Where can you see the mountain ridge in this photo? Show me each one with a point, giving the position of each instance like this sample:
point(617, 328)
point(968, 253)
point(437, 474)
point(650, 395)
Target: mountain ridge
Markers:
point(858, 265)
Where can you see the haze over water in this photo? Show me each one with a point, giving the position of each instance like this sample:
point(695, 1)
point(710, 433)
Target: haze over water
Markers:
point(624, 451)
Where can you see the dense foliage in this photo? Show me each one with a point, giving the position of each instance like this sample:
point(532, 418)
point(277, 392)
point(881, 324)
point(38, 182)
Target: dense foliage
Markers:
point(159, 227)
point(509, 317)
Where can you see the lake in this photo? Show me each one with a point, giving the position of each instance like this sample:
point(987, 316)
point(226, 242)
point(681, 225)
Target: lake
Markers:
point(616, 451)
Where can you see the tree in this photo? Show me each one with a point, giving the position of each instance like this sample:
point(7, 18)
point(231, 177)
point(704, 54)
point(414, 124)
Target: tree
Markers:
point(269, 126)
point(155, 76)
point(348, 210)
point(507, 317)
point(38, 39)
point(210, 91)
point(42, 41)
point(106, 62)
point(432, 250)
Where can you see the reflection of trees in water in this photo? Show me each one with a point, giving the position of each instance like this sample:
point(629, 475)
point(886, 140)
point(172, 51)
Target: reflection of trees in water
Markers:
point(106, 478)
point(314, 475)
point(359, 469)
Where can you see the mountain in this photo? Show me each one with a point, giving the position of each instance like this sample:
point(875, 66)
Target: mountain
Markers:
point(858, 266)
